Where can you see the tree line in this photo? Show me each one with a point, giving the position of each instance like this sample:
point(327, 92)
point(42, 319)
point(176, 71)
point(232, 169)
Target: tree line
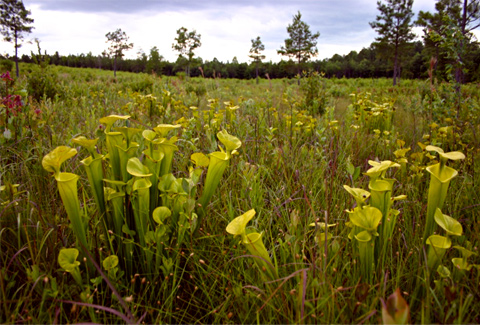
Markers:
point(366, 63)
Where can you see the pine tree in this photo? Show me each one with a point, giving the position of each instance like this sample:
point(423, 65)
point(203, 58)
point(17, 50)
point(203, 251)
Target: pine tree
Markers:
point(118, 44)
point(257, 47)
point(186, 43)
point(395, 29)
point(302, 44)
point(14, 23)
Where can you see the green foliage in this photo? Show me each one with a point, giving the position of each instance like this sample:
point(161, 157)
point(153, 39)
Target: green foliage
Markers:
point(42, 81)
point(144, 186)
point(6, 65)
point(315, 95)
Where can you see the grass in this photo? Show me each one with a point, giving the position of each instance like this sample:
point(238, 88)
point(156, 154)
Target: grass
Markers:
point(291, 169)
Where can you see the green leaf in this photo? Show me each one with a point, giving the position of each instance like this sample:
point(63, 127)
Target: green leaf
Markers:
point(443, 271)
point(230, 142)
point(160, 214)
point(141, 183)
point(434, 148)
point(53, 160)
point(149, 135)
point(367, 218)
point(110, 262)
point(363, 236)
point(237, 225)
point(88, 144)
point(321, 225)
point(380, 167)
point(127, 230)
point(350, 168)
point(465, 252)
point(199, 159)
point(128, 132)
point(359, 194)
point(109, 120)
point(453, 155)
point(136, 168)
point(167, 182)
point(67, 259)
point(163, 129)
point(461, 264)
point(450, 225)
point(439, 241)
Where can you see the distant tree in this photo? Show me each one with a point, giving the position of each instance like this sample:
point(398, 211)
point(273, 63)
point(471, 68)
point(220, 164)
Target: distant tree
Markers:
point(14, 23)
point(118, 41)
point(302, 44)
point(394, 26)
point(257, 47)
point(154, 63)
point(186, 43)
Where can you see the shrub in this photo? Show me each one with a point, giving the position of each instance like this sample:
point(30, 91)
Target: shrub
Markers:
point(6, 65)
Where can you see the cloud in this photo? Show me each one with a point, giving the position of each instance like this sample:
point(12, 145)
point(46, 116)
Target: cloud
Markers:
point(226, 26)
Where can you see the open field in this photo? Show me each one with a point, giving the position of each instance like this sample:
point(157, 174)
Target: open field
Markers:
point(404, 161)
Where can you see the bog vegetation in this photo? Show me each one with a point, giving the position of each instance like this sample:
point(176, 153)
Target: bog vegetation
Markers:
point(196, 200)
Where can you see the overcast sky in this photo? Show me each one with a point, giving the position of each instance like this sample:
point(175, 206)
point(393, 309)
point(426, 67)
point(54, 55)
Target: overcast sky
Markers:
point(226, 26)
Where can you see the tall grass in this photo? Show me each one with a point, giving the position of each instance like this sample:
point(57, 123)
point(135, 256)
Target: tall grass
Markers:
point(291, 169)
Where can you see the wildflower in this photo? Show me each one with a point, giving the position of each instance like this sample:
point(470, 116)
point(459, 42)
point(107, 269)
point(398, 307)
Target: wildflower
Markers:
point(6, 76)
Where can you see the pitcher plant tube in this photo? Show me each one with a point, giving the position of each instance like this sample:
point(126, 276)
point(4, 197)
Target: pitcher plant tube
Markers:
point(440, 178)
point(253, 242)
point(67, 186)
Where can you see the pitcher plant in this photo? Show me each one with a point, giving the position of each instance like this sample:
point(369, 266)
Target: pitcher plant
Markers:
point(440, 178)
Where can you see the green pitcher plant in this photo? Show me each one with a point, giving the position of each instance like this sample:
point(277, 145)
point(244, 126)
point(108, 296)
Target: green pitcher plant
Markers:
point(440, 178)
point(438, 245)
point(133, 187)
point(253, 242)
point(218, 163)
point(67, 259)
point(372, 245)
point(67, 186)
point(461, 264)
point(364, 222)
point(381, 189)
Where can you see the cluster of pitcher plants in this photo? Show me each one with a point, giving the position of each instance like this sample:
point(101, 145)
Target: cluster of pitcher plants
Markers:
point(144, 210)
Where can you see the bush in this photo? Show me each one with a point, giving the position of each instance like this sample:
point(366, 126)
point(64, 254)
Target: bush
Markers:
point(6, 65)
point(315, 96)
point(42, 82)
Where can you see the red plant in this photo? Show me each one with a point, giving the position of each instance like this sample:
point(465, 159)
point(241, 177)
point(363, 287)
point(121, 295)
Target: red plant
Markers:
point(13, 104)
point(6, 76)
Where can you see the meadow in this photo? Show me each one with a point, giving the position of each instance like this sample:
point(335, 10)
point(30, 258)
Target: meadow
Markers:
point(188, 200)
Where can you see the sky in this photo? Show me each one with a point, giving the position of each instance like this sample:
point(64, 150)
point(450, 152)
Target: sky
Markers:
point(226, 26)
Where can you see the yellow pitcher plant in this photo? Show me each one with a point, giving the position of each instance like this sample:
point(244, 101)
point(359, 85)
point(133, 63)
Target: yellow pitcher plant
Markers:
point(253, 242)
point(441, 175)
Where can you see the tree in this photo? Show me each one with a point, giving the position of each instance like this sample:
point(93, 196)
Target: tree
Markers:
point(395, 29)
point(154, 63)
point(257, 47)
point(118, 44)
point(14, 23)
point(186, 43)
point(460, 15)
point(302, 44)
